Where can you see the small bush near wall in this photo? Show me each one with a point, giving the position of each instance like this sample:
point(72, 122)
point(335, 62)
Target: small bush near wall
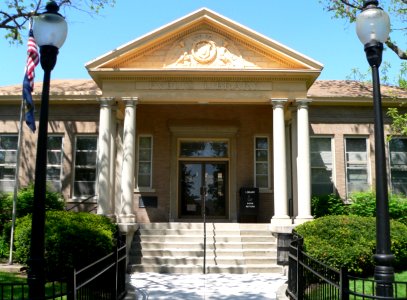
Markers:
point(25, 202)
point(364, 204)
point(360, 204)
point(328, 205)
point(350, 241)
point(71, 240)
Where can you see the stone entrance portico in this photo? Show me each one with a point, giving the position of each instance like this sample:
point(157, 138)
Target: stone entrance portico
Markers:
point(204, 78)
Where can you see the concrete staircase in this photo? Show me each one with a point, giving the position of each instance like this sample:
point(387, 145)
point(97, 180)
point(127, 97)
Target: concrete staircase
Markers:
point(179, 248)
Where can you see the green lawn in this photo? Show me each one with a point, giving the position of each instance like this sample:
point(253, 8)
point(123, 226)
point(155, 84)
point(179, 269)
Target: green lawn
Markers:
point(367, 289)
point(359, 286)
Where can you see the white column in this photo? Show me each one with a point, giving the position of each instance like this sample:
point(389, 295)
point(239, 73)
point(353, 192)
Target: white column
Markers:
point(303, 163)
point(280, 217)
point(113, 152)
point(103, 158)
point(129, 161)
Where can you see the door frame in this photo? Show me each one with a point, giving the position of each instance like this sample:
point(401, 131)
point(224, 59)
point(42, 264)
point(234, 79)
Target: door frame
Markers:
point(196, 131)
point(204, 162)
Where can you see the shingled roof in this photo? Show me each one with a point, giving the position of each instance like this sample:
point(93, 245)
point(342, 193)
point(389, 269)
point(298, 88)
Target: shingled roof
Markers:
point(320, 89)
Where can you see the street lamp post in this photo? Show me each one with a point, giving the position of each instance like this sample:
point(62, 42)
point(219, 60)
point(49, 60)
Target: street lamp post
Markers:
point(373, 28)
point(50, 30)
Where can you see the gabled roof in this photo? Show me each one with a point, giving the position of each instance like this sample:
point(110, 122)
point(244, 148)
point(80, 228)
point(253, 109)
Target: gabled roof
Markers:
point(200, 42)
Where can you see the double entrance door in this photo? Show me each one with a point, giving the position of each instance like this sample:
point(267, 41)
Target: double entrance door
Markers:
point(203, 187)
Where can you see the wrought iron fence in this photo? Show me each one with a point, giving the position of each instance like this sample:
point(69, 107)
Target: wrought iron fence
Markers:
point(103, 279)
point(310, 279)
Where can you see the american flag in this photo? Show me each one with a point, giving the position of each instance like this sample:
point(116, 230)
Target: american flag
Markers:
point(28, 83)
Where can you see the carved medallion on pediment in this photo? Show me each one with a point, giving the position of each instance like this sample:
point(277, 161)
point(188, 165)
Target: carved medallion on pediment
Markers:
point(204, 50)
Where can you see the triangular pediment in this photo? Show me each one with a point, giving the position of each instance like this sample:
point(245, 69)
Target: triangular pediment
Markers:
point(203, 40)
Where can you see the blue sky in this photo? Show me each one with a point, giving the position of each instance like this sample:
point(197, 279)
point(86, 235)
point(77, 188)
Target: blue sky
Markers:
point(302, 25)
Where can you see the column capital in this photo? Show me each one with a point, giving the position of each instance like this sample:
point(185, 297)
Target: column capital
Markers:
point(303, 102)
point(130, 101)
point(278, 102)
point(106, 101)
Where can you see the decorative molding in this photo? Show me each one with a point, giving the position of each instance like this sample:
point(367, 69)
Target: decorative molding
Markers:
point(205, 49)
point(106, 101)
point(130, 101)
point(221, 49)
point(278, 102)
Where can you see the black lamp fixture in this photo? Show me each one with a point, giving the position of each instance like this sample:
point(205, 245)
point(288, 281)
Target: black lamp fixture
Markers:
point(50, 31)
point(373, 28)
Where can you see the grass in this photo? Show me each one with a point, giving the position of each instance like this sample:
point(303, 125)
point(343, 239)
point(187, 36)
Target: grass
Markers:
point(14, 286)
point(365, 287)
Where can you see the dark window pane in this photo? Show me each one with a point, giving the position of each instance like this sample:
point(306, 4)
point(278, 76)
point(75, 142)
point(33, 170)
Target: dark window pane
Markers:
point(204, 149)
point(262, 143)
point(54, 158)
point(86, 143)
point(54, 143)
point(8, 142)
point(85, 159)
point(85, 174)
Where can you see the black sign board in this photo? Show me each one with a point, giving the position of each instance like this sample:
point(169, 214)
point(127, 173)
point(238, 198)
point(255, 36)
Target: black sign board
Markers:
point(249, 201)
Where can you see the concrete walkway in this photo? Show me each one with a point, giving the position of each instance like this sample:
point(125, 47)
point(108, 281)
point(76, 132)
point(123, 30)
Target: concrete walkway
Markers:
point(153, 286)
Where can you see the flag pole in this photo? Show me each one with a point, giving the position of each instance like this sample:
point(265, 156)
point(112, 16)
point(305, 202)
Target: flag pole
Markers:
point(16, 182)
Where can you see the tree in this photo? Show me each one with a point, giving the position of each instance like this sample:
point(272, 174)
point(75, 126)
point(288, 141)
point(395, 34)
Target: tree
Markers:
point(397, 9)
point(15, 14)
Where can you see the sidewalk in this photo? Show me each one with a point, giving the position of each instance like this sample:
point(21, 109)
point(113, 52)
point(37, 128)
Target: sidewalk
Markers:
point(153, 286)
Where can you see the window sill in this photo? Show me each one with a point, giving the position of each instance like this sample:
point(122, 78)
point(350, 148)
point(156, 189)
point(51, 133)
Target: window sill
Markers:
point(144, 190)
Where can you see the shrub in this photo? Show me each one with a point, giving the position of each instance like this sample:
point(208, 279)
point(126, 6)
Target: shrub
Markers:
point(364, 204)
point(72, 240)
point(25, 202)
point(328, 205)
point(350, 241)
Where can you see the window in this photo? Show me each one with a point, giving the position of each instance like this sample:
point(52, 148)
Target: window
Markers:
point(262, 157)
point(8, 161)
point(205, 149)
point(321, 166)
point(85, 166)
point(357, 176)
point(398, 165)
point(145, 161)
point(54, 162)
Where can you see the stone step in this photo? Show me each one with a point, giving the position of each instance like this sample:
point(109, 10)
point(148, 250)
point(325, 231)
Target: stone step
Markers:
point(210, 269)
point(199, 253)
point(209, 226)
point(179, 248)
point(192, 225)
point(186, 238)
point(200, 232)
point(198, 246)
point(215, 260)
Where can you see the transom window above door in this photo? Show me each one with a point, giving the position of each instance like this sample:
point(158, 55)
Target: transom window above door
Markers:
point(204, 149)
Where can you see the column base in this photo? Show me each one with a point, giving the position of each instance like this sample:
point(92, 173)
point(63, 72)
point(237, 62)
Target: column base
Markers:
point(281, 221)
point(127, 219)
point(302, 219)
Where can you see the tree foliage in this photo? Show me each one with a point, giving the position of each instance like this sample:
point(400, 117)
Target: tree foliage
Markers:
point(397, 9)
point(15, 14)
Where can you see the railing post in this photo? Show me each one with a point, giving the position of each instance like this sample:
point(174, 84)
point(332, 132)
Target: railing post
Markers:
point(116, 270)
point(344, 284)
point(300, 270)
